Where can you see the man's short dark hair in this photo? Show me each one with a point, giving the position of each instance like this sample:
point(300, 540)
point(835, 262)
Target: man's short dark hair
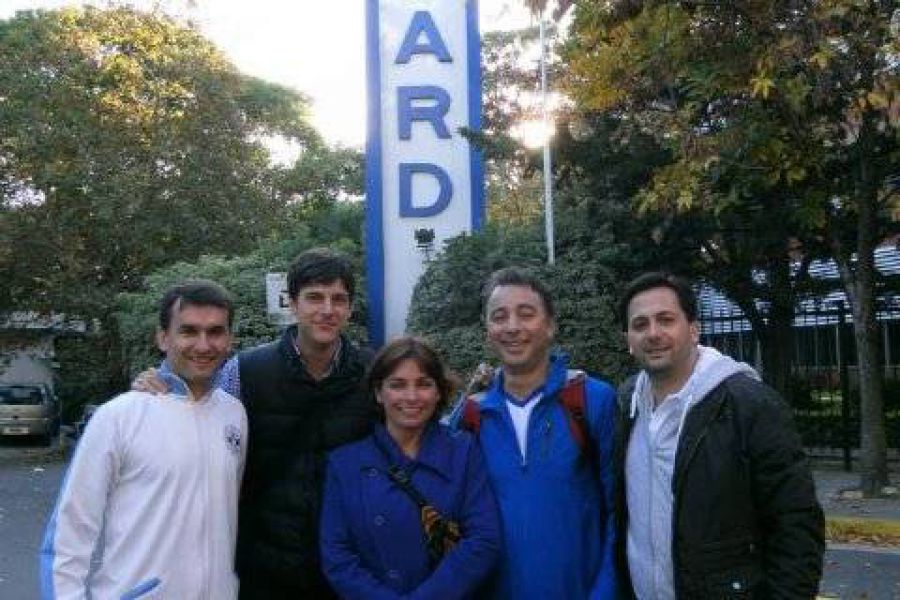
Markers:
point(319, 266)
point(517, 277)
point(194, 292)
point(687, 299)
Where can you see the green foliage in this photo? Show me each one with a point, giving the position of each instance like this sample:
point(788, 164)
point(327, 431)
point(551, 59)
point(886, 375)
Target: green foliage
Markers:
point(338, 227)
point(774, 99)
point(244, 276)
point(322, 175)
point(783, 120)
point(448, 293)
point(88, 372)
point(129, 142)
point(891, 397)
point(446, 306)
point(511, 83)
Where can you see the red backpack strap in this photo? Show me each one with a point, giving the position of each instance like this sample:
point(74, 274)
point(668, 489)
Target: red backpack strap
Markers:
point(573, 399)
point(471, 414)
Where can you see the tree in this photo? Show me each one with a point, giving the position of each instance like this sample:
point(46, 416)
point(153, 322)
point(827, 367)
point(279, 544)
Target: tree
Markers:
point(338, 226)
point(321, 176)
point(446, 306)
point(510, 82)
point(129, 142)
point(782, 116)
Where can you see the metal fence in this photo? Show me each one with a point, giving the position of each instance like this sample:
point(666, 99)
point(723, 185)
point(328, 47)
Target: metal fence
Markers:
point(824, 373)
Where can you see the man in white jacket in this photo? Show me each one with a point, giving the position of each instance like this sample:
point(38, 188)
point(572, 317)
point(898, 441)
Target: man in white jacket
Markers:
point(153, 486)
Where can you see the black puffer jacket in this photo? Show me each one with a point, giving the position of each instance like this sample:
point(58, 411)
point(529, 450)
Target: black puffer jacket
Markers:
point(293, 422)
point(746, 521)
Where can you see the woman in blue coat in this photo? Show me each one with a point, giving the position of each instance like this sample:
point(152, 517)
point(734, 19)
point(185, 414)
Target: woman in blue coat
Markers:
point(373, 542)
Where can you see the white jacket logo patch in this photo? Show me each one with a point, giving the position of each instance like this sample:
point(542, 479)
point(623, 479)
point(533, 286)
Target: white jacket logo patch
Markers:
point(233, 438)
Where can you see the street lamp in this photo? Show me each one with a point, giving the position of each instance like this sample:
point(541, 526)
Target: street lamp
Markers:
point(548, 175)
point(533, 133)
point(537, 133)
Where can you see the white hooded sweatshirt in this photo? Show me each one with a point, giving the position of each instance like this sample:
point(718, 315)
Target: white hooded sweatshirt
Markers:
point(159, 477)
point(649, 467)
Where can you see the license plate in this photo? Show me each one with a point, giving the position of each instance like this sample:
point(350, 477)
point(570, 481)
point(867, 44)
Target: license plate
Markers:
point(15, 431)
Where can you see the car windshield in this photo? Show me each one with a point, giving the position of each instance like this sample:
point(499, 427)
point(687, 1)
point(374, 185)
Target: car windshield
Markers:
point(20, 395)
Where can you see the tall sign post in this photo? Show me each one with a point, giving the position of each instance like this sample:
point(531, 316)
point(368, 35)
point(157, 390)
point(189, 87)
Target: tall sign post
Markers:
point(424, 180)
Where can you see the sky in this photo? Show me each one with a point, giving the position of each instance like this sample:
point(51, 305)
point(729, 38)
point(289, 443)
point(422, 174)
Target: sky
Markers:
point(311, 46)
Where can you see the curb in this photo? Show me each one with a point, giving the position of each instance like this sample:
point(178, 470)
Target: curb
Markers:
point(886, 550)
point(844, 517)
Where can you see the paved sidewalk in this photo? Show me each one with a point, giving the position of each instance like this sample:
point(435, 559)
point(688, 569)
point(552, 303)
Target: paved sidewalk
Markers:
point(831, 482)
point(860, 574)
point(854, 571)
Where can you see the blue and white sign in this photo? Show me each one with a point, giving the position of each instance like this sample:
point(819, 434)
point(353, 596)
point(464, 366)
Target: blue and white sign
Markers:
point(424, 181)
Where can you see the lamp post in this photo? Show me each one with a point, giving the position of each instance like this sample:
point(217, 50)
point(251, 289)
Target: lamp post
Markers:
point(538, 133)
point(548, 175)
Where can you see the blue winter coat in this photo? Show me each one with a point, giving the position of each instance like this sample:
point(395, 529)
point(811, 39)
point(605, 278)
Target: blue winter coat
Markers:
point(556, 507)
point(371, 538)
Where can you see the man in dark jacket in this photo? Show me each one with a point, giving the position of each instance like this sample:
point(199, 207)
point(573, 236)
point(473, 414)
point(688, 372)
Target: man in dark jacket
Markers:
point(716, 499)
point(304, 397)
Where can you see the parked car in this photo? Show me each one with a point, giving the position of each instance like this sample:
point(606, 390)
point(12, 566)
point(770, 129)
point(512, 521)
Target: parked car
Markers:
point(29, 409)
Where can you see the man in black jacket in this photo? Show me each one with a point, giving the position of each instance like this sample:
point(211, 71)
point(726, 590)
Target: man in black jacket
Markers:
point(304, 396)
point(716, 499)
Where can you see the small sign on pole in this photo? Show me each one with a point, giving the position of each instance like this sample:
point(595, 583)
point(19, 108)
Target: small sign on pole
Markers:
point(278, 308)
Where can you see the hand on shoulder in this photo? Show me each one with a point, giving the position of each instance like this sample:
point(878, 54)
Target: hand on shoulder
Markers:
point(149, 381)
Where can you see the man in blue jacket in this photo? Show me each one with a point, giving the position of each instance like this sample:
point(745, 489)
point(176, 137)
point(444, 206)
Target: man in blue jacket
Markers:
point(555, 494)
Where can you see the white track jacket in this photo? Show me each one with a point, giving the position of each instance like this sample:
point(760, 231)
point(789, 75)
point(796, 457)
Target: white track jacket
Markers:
point(159, 478)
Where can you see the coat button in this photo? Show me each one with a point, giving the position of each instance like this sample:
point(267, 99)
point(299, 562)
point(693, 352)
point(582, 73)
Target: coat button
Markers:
point(393, 574)
point(379, 520)
point(373, 472)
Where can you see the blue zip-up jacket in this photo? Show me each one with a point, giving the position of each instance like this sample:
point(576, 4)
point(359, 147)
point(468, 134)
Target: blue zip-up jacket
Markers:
point(556, 507)
point(371, 538)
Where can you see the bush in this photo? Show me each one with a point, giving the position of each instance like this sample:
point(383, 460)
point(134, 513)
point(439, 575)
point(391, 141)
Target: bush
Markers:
point(446, 303)
point(87, 371)
point(890, 395)
point(244, 277)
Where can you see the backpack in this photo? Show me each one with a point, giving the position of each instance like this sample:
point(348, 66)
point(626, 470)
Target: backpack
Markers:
point(572, 397)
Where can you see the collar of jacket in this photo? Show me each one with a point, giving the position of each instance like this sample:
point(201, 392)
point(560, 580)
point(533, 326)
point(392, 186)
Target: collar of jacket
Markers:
point(696, 423)
point(178, 388)
point(297, 367)
point(434, 454)
point(495, 398)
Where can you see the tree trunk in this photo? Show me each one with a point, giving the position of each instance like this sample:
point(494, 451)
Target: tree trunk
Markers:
point(777, 344)
point(873, 441)
point(774, 327)
point(780, 329)
point(859, 284)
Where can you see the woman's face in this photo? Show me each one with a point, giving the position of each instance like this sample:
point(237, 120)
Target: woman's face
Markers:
point(409, 397)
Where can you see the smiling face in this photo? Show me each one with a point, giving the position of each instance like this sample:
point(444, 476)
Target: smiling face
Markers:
point(409, 397)
point(196, 342)
point(660, 336)
point(519, 328)
point(322, 311)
